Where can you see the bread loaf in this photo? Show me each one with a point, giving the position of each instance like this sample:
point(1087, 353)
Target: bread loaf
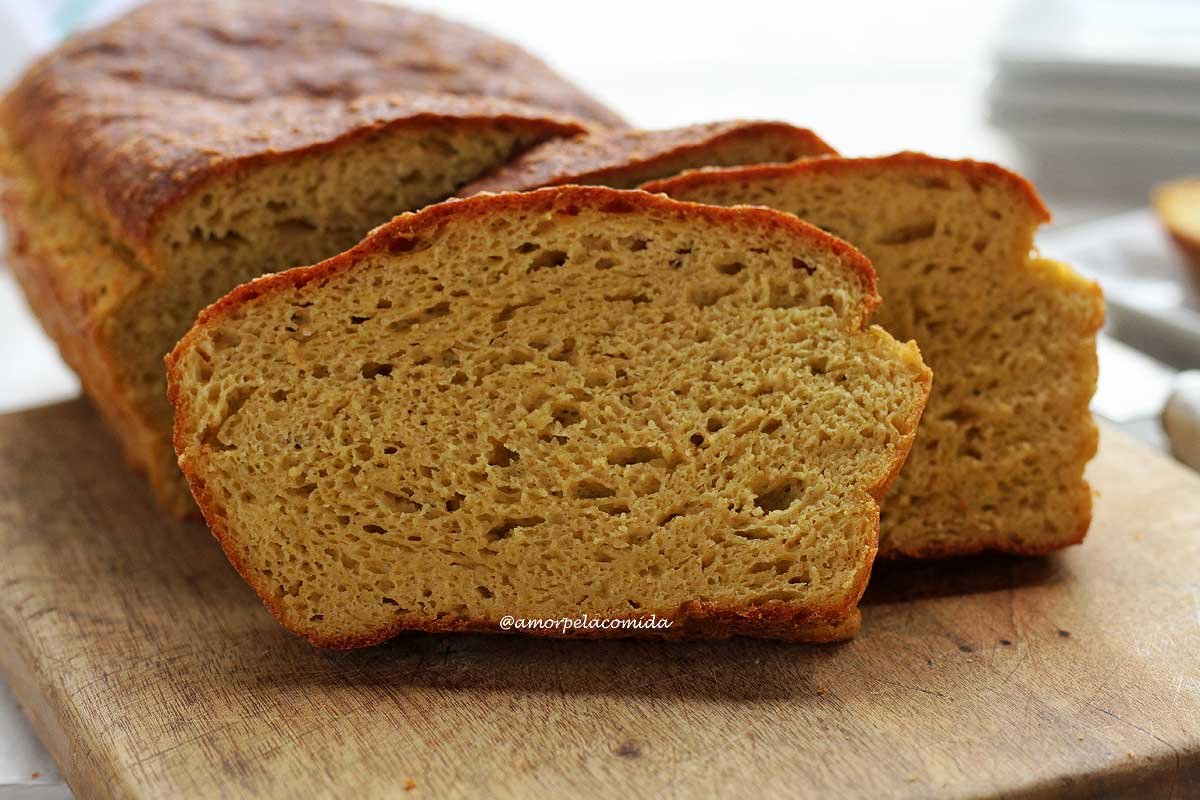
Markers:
point(623, 159)
point(148, 167)
point(999, 457)
point(568, 401)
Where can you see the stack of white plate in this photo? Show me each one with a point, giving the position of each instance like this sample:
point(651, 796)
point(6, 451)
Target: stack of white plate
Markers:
point(1101, 95)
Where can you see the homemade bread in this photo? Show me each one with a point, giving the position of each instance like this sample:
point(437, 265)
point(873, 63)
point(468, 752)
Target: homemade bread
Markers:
point(999, 458)
point(568, 401)
point(623, 159)
point(148, 167)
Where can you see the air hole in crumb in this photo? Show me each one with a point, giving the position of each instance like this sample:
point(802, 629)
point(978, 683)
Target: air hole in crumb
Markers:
point(732, 268)
point(373, 370)
point(753, 534)
point(223, 340)
point(778, 496)
point(528, 247)
point(715, 424)
point(615, 509)
point(484, 592)
point(830, 301)
point(590, 489)
point(770, 426)
point(800, 263)
point(373, 528)
point(566, 415)
point(503, 529)
point(547, 260)
point(780, 566)
point(696, 439)
point(912, 232)
point(401, 504)
point(354, 320)
point(455, 502)
point(511, 309)
point(637, 298)
point(501, 456)
point(624, 456)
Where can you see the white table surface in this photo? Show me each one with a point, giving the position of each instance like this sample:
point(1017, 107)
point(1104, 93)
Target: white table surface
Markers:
point(871, 77)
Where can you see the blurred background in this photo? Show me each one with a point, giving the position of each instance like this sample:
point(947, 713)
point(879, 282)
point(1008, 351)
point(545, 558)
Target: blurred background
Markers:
point(1098, 101)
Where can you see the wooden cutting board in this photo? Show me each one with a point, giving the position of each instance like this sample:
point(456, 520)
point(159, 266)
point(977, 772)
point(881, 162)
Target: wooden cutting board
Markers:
point(150, 670)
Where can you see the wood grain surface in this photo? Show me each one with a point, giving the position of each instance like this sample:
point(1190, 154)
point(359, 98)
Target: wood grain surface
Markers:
point(150, 670)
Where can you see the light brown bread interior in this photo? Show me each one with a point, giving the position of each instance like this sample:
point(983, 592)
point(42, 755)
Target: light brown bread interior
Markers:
point(572, 400)
point(999, 457)
point(265, 215)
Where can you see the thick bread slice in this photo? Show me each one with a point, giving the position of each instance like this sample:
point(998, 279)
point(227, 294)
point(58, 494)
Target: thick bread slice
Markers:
point(623, 159)
point(999, 458)
point(148, 167)
point(544, 404)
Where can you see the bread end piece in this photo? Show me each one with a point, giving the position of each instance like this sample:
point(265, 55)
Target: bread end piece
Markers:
point(998, 463)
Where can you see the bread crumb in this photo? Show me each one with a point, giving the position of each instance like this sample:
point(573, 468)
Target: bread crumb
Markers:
point(35, 775)
point(409, 784)
point(913, 778)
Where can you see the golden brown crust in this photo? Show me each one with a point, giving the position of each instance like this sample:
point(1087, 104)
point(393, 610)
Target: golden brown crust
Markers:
point(604, 157)
point(972, 170)
point(137, 114)
point(695, 620)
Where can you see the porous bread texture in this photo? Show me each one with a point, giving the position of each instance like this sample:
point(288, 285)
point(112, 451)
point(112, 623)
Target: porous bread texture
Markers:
point(999, 458)
point(116, 310)
point(568, 401)
point(135, 157)
point(623, 159)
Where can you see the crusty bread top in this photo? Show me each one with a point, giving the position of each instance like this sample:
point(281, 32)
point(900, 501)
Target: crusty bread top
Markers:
point(134, 115)
point(398, 236)
point(695, 179)
point(601, 156)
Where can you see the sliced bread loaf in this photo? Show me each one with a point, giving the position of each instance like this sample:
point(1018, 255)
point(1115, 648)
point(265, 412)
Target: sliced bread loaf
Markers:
point(623, 159)
point(999, 458)
point(148, 167)
point(568, 401)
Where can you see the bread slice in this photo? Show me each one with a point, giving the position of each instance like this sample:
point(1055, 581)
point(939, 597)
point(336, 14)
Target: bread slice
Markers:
point(574, 400)
point(1178, 206)
point(149, 167)
point(999, 458)
point(623, 159)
